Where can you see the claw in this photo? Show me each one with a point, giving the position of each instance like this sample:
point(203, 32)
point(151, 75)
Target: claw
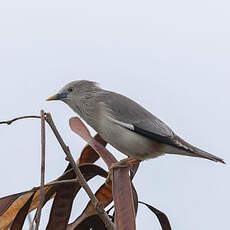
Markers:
point(127, 162)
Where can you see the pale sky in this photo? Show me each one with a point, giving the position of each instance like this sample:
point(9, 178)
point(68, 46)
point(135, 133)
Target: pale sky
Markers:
point(170, 56)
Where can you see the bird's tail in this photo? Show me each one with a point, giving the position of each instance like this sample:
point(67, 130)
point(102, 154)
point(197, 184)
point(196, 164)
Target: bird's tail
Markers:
point(203, 154)
point(187, 149)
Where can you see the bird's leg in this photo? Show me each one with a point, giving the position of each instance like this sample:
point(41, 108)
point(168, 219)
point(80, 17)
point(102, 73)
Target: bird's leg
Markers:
point(127, 162)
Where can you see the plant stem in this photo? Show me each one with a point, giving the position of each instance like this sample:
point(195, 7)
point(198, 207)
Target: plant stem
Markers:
point(42, 189)
point(98, 206)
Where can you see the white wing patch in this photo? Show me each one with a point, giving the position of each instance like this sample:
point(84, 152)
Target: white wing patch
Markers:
point(125, 125)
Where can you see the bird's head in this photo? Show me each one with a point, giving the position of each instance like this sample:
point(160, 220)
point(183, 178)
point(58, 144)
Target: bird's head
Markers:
point(65, 94)
point(75, 91)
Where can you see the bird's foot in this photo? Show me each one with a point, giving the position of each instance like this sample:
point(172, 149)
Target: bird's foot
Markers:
point(127, 162)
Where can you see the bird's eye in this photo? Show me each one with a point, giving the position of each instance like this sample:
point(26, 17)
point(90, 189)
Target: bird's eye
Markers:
point(70, 89)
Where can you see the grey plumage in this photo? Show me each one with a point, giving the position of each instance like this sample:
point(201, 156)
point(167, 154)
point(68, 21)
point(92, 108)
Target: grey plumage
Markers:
point(124, 124)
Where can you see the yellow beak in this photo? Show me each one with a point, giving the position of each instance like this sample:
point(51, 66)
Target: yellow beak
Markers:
point(54, 97)
point(59, 96)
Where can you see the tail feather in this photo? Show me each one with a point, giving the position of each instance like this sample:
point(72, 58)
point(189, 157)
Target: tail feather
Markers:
point(196, 152)
point(208, 156)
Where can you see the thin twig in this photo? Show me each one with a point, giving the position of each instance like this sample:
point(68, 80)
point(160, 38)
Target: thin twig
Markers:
point(18, 118)
point(42, 190)
point(98, 206)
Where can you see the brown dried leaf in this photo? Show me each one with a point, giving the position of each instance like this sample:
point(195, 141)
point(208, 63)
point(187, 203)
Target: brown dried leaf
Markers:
point(133, 172)
point(135, 199)
point(80, 129)
point(49, 194)
point(5, 202)
point(163, 219)
point(104, 195)
point(65, 194)
point(89, 155)
point(10, 206)
point(21, 216)
point(92, 222)
point(123, 199)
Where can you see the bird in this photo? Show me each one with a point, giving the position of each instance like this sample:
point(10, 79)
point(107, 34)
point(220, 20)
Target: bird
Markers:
point(124, 124)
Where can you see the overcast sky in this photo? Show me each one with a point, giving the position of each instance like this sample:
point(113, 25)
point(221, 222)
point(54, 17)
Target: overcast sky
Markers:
point(170, 56)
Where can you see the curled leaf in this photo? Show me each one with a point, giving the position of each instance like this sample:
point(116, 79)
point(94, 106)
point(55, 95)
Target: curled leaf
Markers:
point(163, 219)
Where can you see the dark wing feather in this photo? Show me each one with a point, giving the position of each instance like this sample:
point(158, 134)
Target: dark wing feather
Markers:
point(154, 136)
point(168, 140)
